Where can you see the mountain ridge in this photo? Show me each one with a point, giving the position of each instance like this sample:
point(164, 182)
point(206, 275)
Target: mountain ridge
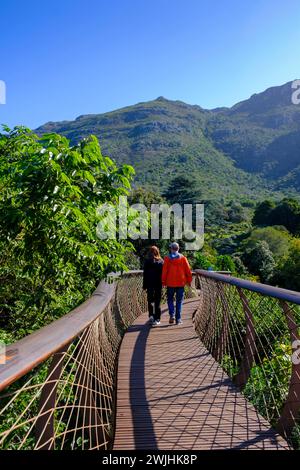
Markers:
point(254, 143)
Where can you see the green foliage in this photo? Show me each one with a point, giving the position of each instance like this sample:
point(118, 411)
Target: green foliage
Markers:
point(288, 271)
point(236, 213)
point(262, 213)
point(225, 263)
point(268, 383)
point(285, 212)
point(50, 191)
point(216, 214)
point(229, 365)
point(240, 268)
point(183, 190)
point(49, 196)
point(277, 238)
point(202, 261)
point(24, 400)
point(146, 197)
point(295, 437)
point(205, 260)
point(260, 261)
point(165, 139)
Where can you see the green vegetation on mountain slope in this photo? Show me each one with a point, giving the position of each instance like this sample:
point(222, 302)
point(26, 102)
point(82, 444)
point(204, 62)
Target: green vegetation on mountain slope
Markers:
point(248, 151)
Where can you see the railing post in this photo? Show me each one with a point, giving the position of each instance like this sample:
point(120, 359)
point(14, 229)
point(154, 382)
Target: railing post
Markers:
point(290, 411)
point(209, 319)
point(89, 406)
point(221, 345)
point(44, 426)
point(250, 347)
point(136, 303)
point(199, 308)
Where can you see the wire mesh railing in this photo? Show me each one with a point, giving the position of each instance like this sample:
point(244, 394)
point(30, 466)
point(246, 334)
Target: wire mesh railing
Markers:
point(252, 330)
point(58, 391)
point(58, 384)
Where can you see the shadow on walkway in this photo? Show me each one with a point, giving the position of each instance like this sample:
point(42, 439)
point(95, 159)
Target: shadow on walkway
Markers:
point(137, 381)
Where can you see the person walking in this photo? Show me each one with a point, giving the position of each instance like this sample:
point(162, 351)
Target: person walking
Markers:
point(153, 267)
point(176, 274)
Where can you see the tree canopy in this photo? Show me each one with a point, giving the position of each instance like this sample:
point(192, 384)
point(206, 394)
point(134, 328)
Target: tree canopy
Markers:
point(51, 257)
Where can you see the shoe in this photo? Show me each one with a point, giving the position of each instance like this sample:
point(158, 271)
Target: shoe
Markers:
point(179, 322)
point(151, 319)
point(156, 323)
point(172, 320)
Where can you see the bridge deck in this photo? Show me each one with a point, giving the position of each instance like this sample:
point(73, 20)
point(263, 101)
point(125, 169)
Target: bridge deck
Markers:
point(173, 395)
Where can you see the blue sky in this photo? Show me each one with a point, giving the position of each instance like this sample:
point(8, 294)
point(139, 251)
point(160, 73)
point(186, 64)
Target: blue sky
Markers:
point(61, 59)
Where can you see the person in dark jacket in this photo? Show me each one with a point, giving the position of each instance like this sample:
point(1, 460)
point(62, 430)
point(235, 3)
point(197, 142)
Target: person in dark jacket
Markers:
point(152, 283)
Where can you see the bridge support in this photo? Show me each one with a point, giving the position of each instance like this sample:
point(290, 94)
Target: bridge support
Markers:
point(250, 347)
point(291, 409)
point(44, 426)
point(222, 342)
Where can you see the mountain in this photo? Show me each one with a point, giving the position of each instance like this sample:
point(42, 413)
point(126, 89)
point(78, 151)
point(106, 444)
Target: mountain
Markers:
point(247, 151)
point(261, 134)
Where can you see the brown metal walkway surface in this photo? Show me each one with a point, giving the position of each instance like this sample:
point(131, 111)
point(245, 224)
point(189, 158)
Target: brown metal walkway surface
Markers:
point(172, 394)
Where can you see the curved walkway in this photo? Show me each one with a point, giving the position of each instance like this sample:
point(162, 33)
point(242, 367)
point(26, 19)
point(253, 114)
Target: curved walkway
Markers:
point(172, 394)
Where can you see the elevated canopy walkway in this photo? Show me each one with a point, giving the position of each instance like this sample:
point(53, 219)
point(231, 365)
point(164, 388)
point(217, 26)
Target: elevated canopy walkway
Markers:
point(102, 378)
point(173, 395)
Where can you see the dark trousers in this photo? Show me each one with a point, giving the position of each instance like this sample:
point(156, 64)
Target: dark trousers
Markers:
point(154, 299)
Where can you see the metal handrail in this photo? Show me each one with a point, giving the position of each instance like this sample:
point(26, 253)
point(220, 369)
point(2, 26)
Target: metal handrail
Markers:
point(37, 347)
point(64, 373)
point(264, 289)
point(253, 331)
point(43, 343)
point(79, 355)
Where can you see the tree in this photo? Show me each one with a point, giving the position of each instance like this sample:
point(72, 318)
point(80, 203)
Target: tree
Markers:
point(236, 213)
point(216, 213)
point(146, 197)
point(288, 271)
point(287, 213)
point(259, 260)
point(225, 263)
point(263, 213)
point(183, 190)
point(50, 255)
point(277, 238)
point(239, 266)
point(206, 258)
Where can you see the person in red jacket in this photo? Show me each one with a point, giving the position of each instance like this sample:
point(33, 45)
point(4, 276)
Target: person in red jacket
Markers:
point(176, 274)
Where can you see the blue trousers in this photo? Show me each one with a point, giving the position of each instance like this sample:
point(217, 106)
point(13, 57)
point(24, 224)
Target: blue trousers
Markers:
point(171, 291)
